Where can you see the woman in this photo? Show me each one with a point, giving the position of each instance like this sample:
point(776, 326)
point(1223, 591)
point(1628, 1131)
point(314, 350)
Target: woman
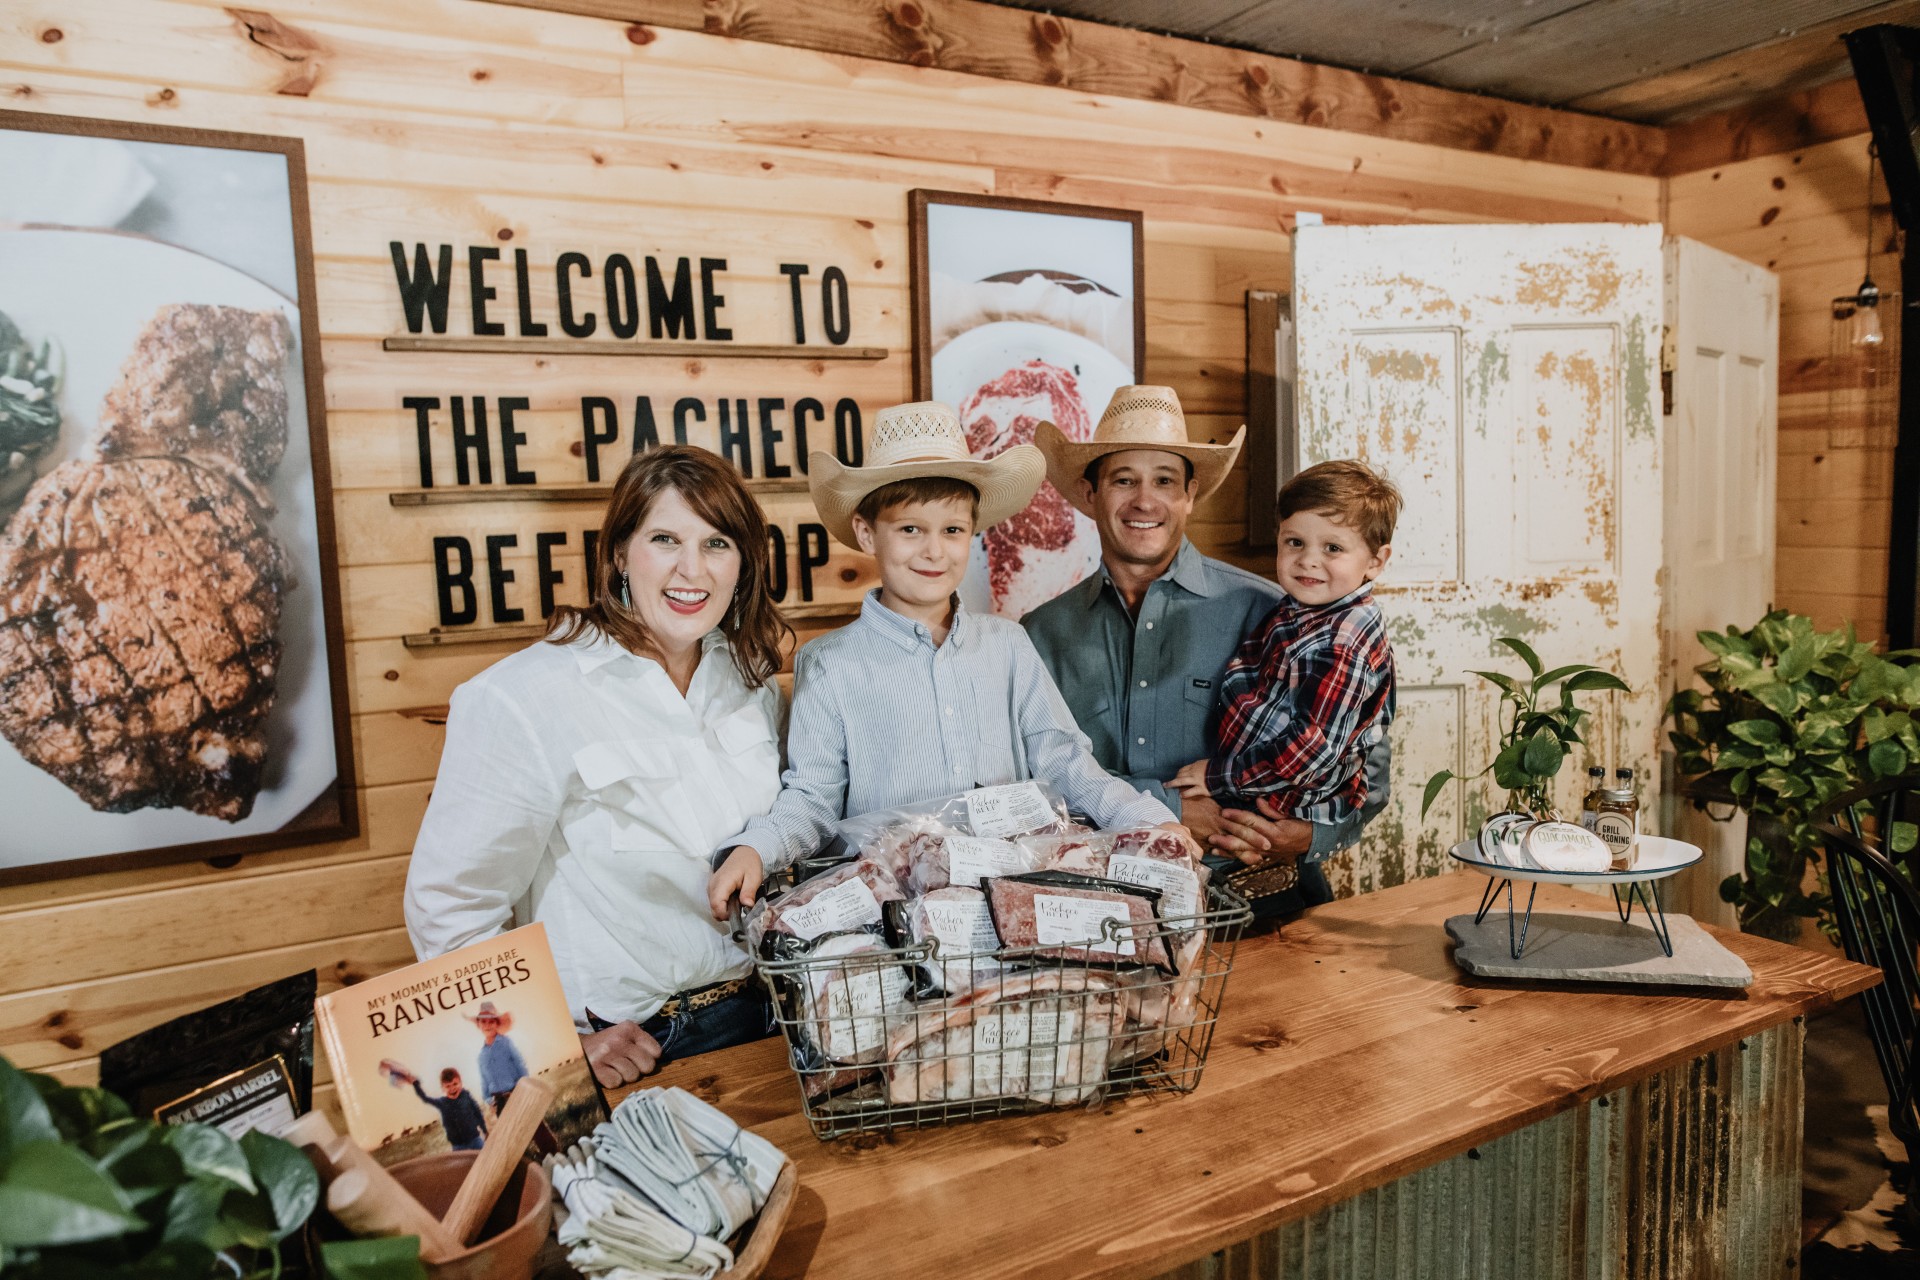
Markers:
point(587, 778)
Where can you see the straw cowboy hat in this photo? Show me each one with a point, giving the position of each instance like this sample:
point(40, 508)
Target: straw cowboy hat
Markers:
point(1136, 418)
point(486, 1010)
point(922, 439)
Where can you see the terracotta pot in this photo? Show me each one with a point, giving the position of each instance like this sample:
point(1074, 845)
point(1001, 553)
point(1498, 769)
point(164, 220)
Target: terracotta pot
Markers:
point(509, 1255)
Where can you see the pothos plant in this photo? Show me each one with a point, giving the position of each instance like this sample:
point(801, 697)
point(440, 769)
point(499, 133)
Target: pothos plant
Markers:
point(87, 1189)
point(1539, 731)
point(1791, 719)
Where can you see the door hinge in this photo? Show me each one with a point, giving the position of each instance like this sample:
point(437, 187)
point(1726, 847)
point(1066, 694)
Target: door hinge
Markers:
point(1669, 357)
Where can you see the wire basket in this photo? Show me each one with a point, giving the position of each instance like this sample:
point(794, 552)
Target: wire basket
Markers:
point(884, 1037)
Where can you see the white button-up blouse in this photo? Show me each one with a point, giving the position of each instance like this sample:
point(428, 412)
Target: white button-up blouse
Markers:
point(578, 788)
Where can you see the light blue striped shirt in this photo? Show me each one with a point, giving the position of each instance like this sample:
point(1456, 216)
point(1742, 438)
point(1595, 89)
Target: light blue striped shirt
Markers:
point(883, 718)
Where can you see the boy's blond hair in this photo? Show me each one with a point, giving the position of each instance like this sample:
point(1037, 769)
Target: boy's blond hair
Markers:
point(1348, 492)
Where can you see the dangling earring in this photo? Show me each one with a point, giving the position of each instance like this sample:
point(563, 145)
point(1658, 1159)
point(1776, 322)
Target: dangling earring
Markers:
point(626, 596)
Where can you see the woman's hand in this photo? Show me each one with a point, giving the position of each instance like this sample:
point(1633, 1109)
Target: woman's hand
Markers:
point(1180, 829)
point(741, 873)
point(1263, 837)
point(621, 1054)
point(1191, 780)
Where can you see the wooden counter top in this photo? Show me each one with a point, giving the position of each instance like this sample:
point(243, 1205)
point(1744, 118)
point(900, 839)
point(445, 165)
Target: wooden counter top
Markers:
point(1349, 1051)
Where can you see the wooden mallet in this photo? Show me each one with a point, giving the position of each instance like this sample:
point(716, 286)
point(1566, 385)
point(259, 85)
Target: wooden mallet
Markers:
point(506, 1142)
point(368, 1202)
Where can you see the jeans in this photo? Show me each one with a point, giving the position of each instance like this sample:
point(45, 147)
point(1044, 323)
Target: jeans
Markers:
point(745, 1016)
point(1310, 890)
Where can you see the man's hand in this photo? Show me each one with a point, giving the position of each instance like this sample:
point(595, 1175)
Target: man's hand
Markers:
point(1180, 830)
point(741, 873)
point(1191, 780)
point(1202, 816)
point(1259, 838)
point(620, 1054)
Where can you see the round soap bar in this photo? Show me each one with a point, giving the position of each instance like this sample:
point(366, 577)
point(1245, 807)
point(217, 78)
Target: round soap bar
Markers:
point(1500, 838)
point(1565, 846)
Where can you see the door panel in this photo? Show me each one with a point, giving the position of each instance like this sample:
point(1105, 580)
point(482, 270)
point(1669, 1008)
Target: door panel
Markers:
point(1502, 377)
point(1720, 495)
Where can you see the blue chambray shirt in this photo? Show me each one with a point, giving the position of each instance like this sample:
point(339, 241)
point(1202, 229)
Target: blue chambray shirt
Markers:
point(883, 718)
point(1146, 690)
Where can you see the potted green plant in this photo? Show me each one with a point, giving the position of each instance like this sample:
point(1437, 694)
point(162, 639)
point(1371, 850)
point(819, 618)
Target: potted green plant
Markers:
point(1791, 718)
point(1539, 731)
point(88, 1189)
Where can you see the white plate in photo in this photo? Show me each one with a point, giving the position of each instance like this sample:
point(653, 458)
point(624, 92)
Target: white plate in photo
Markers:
point(1658, 857)
point(92, 292)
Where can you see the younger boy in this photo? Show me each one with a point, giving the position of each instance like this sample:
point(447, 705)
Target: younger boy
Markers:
point(1311, 690)
point(460, 1115)
point(918, 698)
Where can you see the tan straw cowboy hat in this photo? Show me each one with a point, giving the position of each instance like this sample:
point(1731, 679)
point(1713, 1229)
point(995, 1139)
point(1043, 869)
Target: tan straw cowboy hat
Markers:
point(922, 439)
point(486, 1010)
point(1136, 418)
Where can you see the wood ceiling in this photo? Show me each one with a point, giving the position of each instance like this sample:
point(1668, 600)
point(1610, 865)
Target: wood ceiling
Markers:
point(1652, 61)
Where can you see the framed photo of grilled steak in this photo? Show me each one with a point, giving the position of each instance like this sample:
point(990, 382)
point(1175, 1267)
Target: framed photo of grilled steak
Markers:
point(172, 677)
point(1025, 312)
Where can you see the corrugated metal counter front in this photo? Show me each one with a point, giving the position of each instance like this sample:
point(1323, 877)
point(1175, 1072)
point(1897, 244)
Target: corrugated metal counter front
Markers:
point(1368, 1110)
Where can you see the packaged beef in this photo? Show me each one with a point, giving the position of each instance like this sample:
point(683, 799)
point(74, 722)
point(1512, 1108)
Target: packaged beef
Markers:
point(1157, 1008)
point(848, 1005)
point(1060, 915)
point(1042, 1036)
point(848, 897)
point(957, 924)
point(999, 812)
point(1151, 857)
point(938, 858)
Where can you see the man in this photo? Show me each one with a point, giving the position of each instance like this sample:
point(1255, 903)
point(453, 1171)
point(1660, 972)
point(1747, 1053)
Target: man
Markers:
point(1139, 648)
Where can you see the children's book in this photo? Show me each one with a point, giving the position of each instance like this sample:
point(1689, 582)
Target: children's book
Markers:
point(424, 1058)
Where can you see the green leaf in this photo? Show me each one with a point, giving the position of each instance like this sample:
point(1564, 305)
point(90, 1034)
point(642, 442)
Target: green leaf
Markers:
point(1434, 786)
point(1797, 661)
point(1758, 732)
point(1508, 773)
point(145, 1166)
point(1560, 673)
point(1903, 837)
point(1525, 651)
point(207, 1152)
point(1506, 682)
point(1588, 681)
point(391, 1258)
point(1778, 698)
point(54, 1195)
point(287, 1177)
point(83, 1112)
point(24, 1116)
point(1543, 754)
point(1887, 759)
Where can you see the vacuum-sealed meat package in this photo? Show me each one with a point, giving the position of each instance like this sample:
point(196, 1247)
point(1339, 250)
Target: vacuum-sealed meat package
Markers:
point(1043, 1036)
point(1061, 915)
point(936, 859)
point(958, 924)
point(1151, 857)
point(999, 812)
point(848, 897)
point(847, 1006)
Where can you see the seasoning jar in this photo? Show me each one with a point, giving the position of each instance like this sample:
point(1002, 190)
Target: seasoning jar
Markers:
point(1616, 819)
point(1596, 783)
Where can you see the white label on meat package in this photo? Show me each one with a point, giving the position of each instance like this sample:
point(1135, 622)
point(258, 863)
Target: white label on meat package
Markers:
point(971, 859)
point(1058, 919)
point(1011, 810)
point(854, 1004)
point(1001, 1042)
point(962, 927)
point(1175, 882)
point(845, 906)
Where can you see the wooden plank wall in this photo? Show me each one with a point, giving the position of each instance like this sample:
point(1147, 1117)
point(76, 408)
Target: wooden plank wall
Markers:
point(484, 124)
point(1802, 215)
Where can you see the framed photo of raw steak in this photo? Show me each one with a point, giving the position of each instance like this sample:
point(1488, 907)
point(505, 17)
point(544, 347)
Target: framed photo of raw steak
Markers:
point(172, 681)
point(1025, 312)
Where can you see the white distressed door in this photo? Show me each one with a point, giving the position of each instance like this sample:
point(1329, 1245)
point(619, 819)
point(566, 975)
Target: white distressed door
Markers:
point(1720, 461)
point(1505, 377)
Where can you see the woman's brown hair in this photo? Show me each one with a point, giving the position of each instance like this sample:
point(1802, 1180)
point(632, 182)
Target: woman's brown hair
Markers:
point(710, 485)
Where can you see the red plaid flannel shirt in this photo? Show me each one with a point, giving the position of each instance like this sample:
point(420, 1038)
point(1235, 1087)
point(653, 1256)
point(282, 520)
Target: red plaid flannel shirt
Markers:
point(1304, 699)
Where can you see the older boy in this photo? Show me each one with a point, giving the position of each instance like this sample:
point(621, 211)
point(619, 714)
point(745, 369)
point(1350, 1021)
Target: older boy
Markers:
point(1311, 691)
point(918, 698)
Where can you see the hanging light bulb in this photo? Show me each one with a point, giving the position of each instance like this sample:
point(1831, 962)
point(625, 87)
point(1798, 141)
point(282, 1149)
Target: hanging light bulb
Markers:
point(1863, 327)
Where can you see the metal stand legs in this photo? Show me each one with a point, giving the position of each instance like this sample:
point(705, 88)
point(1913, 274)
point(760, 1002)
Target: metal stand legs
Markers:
point(1650, 903)
point(1622, 905)
point(1516, 945)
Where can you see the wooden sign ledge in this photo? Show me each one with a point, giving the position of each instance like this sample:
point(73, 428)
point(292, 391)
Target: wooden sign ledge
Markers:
point(1350, 1051)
